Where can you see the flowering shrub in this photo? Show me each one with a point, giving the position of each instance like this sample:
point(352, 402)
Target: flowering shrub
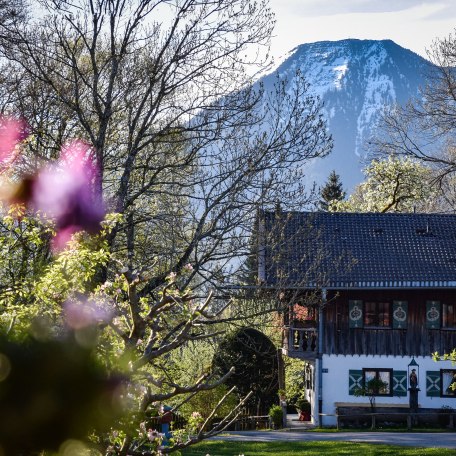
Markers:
point(194, 422)
point(58, 297)
point(66, 190)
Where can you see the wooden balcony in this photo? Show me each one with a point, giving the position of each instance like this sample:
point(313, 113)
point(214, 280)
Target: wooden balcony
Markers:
point(300, 343)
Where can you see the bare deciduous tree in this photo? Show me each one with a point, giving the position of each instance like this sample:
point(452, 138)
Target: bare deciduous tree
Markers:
point(424, 128)
point(161, 90)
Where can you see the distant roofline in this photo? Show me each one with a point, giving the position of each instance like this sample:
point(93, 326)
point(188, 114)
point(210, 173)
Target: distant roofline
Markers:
point(340, 286)
point(435, 233)
point(362, 214)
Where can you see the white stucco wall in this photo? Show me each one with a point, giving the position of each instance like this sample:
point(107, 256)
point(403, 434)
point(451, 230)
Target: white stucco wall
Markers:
point(336, 379)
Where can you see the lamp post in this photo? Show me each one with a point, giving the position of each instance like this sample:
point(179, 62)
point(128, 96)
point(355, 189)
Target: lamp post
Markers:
point(413, 370)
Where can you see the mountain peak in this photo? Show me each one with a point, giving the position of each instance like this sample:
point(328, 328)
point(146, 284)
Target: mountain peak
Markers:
point(351, 44)
point(356, 80)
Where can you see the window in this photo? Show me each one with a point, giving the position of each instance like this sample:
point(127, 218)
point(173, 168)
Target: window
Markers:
point(378, 380)
point(377, 314)
point(448, 315)
point(447, 379)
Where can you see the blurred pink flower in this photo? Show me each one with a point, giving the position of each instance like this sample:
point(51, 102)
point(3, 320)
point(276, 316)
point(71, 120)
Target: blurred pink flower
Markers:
point(12, 131)
point(67, 192)
point(81, 314)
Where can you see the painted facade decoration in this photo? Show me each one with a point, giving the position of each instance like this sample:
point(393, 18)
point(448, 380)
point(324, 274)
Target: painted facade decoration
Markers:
point(382, 289)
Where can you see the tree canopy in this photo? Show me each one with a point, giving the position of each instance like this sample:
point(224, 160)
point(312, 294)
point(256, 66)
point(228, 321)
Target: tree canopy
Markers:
point(392, 185)
point(423, 130)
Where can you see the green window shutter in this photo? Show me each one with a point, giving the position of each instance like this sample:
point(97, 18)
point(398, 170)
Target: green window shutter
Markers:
point(355, 381)
point(400, 314)
point(399, 383)
point(355, 314)
point(433, 314)
point(433, 383)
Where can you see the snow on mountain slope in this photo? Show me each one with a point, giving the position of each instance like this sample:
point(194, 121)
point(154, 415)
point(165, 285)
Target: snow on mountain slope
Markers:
point(356, 80)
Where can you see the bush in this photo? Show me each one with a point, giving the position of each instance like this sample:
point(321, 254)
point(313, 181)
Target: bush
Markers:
point(303, 405)
point(276, 415)
point(255, 358)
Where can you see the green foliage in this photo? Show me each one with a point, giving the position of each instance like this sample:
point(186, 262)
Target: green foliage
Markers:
point(40, 291)
point(195, 420)
point(332, 191)
point(74, 269)
point(24, 253)
point(303, 405)
point(391, 185)
point(445, 356)
point(276, 415)
point(294, 378)
point(189, 364)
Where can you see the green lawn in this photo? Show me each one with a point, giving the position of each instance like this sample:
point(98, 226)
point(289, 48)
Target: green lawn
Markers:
point(230, 448)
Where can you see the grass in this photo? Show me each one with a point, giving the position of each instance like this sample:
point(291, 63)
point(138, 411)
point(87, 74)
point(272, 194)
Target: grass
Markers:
point(398, 429)
point(231, 448)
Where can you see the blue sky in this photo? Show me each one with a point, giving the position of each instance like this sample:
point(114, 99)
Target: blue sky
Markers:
point(413, 24)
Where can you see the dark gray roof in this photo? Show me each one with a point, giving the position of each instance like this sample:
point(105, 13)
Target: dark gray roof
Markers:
point(363, 250)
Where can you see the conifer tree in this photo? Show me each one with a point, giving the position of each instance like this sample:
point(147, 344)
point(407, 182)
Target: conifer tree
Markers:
point(332, 190)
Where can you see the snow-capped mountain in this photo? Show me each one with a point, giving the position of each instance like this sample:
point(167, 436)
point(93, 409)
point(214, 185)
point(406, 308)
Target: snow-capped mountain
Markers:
point(356, 79)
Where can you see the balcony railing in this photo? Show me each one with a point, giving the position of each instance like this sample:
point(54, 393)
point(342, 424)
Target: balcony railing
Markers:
point(302, 342)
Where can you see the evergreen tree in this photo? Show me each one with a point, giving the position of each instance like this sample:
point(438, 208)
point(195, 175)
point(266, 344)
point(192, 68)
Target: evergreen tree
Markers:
point(333, 190)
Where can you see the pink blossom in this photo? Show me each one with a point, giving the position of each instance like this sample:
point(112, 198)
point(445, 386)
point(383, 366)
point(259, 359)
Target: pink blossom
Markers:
point(171, 276)
point(12, 131)
point(81, 314)
point(105, 285)
point(67, 192)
